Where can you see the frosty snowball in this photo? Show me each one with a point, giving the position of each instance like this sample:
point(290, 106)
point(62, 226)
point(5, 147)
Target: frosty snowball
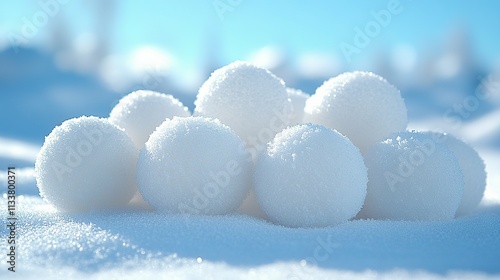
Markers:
point(310, 176)
point(140, 112)
point(412, 177)
point(250, 100)
point(472, 167)
point(194, 165)
point(86, 164)
point(298, 102)
point(361, 105)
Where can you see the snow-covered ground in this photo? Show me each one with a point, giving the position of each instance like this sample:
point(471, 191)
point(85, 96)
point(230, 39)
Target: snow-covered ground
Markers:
point(138, 244)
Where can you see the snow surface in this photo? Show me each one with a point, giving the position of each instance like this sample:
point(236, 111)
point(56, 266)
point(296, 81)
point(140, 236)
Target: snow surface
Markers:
point(136, 243)
point(310, 176)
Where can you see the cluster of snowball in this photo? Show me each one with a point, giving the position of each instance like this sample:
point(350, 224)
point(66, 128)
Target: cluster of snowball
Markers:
point(254, 146)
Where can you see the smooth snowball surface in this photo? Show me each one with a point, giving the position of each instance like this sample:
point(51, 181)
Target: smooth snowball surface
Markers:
point(298, 101)
point(86, 164)
point(412, 177)
point(361, 105)
point(140, 112)
point(472, 167)
point(194, 165)
point(250, 100)
point(310, 176)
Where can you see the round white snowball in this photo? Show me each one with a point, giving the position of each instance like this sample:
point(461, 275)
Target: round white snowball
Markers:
point(250, 100)
point(86, 164)
point(361, 105)
point(140, 112)
point(298, 101)
point(472, 167)
point(412, 177)
point(310, 176)
point(194, 165)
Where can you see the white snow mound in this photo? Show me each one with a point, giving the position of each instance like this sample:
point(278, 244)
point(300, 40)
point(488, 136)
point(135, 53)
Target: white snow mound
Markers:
point(194, 165)
point(412, 177)
point(473, 169)
point(310, 176)
point(86, 164)
point(250, 100)
point(140, 112)
point(361, 105)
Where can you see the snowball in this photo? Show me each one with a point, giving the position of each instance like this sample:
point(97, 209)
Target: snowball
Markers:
point(361, 105)
point(412, 177)
point(140, 112)
point(473, 170)
point(310, 176)
point(86, 164)
point(250, 100)
point(298, 102)
point(194, 165)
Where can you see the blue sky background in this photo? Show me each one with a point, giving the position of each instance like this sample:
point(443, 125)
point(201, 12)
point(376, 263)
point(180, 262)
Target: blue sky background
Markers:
point(83, 56)
point(185, 28)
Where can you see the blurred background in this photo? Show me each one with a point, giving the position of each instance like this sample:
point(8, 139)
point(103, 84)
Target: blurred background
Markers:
point(66, 58)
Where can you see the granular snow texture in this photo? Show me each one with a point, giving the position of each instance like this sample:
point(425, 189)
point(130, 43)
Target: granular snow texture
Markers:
point(250, 100)
point(310, 176)
point(145, 245)
point(412, 177)
point(194, 165)
point(361, 105)
point(86, 164)
point(140, 112)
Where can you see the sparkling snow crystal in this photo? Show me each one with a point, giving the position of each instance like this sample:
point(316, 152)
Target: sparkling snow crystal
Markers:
point(250, 100)
point(86, 164)
point(310, 176)
point(194, 165)
point(412, 177)
point(361, 105)
point(140, 112)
